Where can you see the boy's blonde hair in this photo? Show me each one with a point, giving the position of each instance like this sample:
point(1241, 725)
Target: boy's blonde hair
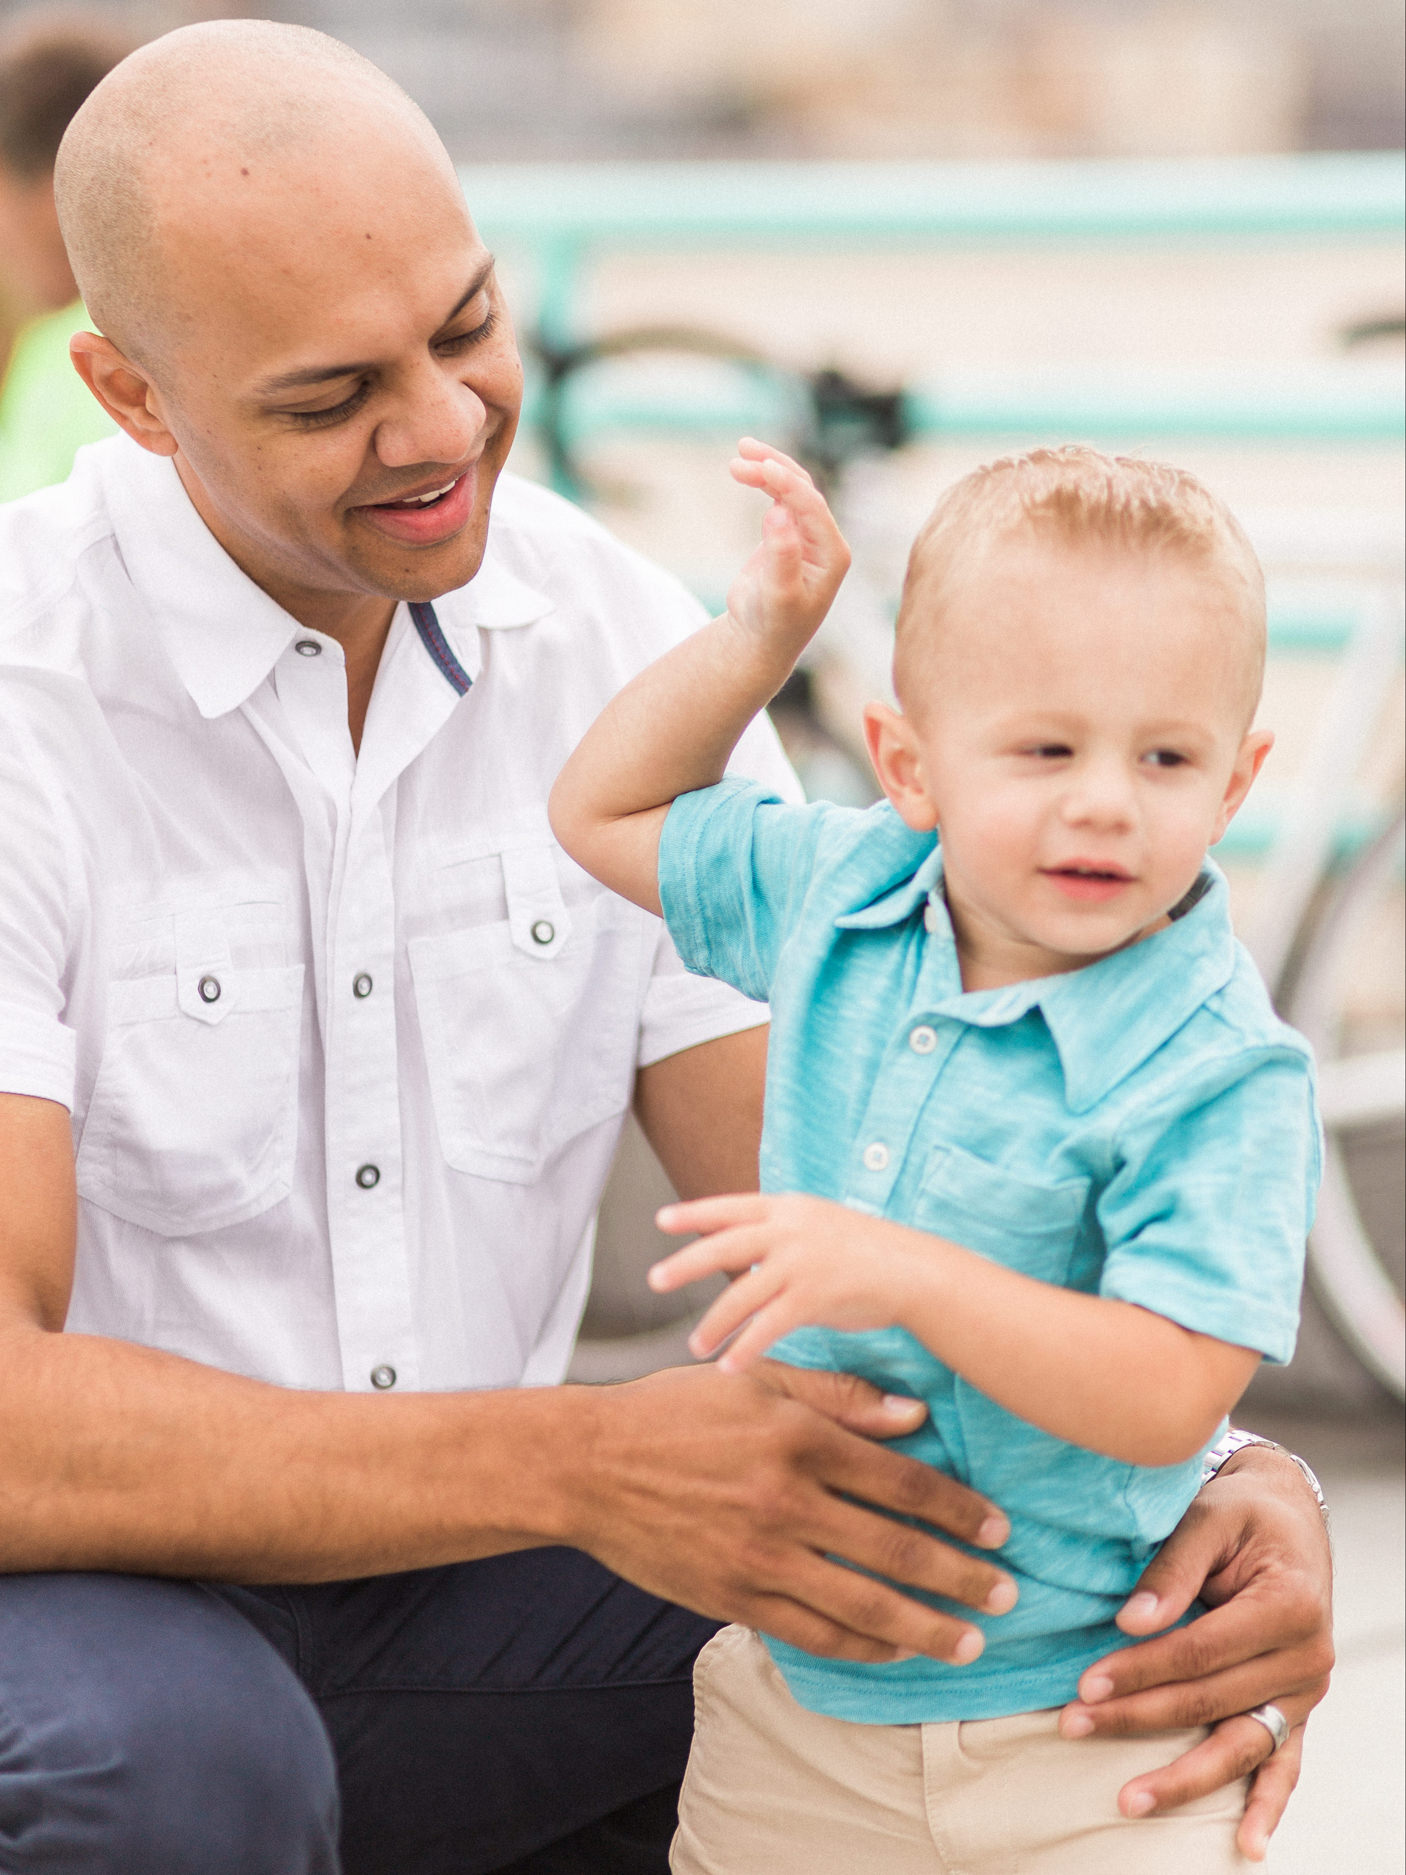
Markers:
point(1074, 496)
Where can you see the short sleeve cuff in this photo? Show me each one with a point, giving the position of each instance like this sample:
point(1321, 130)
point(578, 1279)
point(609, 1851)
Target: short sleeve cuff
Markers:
point(697, 829)
point(1228, 1317)
point(685, 1011)
point(37, 1055)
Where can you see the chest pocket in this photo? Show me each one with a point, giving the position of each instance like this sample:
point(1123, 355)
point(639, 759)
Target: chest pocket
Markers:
point(1027, 1224)
point(193, 1120)
point(529, 1023)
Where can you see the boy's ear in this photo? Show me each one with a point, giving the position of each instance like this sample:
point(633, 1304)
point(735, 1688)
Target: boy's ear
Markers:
point(1248, 764)
point(898, 764)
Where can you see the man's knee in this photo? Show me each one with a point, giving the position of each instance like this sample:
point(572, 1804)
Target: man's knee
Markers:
point(145, 1726)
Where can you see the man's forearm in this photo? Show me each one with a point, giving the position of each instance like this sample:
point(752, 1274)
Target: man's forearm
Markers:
point(115, 1456)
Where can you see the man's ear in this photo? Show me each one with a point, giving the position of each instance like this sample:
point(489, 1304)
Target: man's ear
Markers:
point(1248, 764)
point(124, 390)
point(897, 759)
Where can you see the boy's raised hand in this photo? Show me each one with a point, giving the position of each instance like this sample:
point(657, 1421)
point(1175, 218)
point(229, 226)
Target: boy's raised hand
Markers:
point(787, 586)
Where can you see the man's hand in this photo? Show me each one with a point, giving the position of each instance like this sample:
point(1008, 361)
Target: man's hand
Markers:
point(732, 1495)
point(1254, 1548)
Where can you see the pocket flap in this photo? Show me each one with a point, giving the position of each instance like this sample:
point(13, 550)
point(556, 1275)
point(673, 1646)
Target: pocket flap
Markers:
point(1017, 1204)
point(538, 921)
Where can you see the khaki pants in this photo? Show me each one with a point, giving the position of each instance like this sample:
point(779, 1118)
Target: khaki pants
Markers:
point(772, 1789)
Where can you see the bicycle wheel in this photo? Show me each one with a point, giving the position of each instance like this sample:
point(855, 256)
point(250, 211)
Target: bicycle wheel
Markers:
point(1357, 1037)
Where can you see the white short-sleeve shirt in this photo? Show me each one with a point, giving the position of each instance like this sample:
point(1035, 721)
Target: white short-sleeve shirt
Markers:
point(347, 1040)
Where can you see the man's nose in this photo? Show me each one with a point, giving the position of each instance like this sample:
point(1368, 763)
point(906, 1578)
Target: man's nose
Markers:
point(438, 418)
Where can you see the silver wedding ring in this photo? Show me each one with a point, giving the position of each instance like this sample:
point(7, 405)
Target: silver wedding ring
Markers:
point(1274, 1722)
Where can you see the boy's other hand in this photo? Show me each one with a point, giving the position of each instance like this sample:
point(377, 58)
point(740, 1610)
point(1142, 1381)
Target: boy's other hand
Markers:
point(1254, 1548)
point(786, 588)
point(797, 1260)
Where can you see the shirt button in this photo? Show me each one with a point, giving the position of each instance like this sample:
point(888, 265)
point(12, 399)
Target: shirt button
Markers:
point(361, 985)
point(383, 1377)
point(367, 1176)
point(876, 1156)
point(208, 989)
point(308, 648)
point(543, 931)
point(923, 1039)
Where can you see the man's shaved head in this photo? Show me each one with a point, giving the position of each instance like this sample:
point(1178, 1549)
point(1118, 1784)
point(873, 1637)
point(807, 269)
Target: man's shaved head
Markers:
point(195, 130)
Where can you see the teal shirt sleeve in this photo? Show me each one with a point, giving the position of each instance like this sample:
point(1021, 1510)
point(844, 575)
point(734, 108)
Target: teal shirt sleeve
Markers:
point(1207, 1215)
point(734, 865)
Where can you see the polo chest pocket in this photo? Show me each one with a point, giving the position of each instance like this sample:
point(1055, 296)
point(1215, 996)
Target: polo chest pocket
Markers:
point(1027, 1224)
point(529, 1023)
point(193, 1120)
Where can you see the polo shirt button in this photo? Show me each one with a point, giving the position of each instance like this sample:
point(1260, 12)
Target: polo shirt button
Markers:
point(308, 648)
point(543, 931)
point(361, 985)
point(208, 989)
point(923, 1040)
point(383, 1377)
point(367, 1176)
point(876, 1156)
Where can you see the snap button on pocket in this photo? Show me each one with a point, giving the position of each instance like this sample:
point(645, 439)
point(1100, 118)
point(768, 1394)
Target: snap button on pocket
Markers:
point(361, 986)
point(383, 1377)
point(208, 989)
point(543, 931)
point(368, 1177)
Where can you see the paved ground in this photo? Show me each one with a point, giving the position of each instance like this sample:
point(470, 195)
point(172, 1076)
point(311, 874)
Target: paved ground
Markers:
point(1349, 1814)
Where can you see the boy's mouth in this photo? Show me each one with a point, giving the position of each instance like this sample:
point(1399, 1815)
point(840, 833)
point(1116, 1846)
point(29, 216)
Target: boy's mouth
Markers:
point(1088, 881)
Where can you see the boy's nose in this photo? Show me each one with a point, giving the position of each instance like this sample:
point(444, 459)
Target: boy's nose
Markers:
point(1100, 795)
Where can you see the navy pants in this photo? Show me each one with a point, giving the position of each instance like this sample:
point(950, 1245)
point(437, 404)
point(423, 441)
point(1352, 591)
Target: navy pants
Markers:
point(529, 1714)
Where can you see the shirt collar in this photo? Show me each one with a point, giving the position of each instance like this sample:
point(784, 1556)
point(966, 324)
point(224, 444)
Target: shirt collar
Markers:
point(1106, 1019)
point(223, 633)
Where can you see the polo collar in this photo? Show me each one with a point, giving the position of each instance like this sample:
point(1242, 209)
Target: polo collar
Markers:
point(223, 633)
point(1106, 1019)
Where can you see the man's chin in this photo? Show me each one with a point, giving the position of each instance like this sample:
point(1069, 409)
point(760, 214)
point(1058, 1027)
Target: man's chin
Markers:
point(426, 574)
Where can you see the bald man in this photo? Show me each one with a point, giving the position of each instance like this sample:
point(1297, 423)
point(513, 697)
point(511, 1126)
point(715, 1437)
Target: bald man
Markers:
point(315, 1052)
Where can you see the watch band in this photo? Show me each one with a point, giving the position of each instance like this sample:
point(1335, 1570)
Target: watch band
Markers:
point(1235, 1440)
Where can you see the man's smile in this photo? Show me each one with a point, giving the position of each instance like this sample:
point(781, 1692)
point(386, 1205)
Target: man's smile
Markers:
point(425, 516)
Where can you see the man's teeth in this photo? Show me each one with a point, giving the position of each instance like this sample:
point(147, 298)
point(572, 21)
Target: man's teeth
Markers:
point(421, 501)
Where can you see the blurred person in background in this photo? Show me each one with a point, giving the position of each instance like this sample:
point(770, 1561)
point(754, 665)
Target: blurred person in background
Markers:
point(47, 68)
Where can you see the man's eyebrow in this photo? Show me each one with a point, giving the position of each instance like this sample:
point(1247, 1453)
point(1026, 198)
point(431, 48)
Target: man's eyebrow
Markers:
point(327, 374)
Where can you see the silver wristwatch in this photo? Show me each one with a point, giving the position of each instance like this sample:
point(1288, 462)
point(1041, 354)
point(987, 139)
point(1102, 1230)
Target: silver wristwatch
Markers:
point(1235, 1441)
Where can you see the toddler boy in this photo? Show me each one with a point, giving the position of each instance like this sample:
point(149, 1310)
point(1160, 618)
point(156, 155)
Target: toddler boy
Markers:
point(1036, 1149)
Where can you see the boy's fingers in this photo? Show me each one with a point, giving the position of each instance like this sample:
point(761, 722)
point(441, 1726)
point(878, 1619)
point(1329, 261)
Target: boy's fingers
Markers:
point(767, 1325)
point(711, 1214)
point(732, 1308)
point(750, 449)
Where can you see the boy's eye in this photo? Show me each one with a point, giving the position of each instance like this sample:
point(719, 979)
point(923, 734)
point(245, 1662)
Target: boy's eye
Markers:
point(1165, 758)
point(1050, 751)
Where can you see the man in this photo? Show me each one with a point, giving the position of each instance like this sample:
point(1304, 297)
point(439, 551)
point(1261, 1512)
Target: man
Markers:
point(46, 71)
point(343, 1045)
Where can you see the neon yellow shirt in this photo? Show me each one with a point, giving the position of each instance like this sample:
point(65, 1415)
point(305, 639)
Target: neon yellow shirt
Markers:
point(47, 412)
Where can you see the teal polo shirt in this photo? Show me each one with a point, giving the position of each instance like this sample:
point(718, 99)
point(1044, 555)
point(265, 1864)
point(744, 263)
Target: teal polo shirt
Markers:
point(1142, 1128)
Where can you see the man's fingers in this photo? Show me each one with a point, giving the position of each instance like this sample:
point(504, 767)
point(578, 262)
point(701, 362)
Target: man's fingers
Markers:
point(900, 1484)
point(1274, 1784)
point(1221, 1696)
point(1235, 1749)
point(1173, 1579)
point(1228, 1636)
point(801, 1627)
point(873, 1609)
point(850, 1402)
point(916, 1559)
